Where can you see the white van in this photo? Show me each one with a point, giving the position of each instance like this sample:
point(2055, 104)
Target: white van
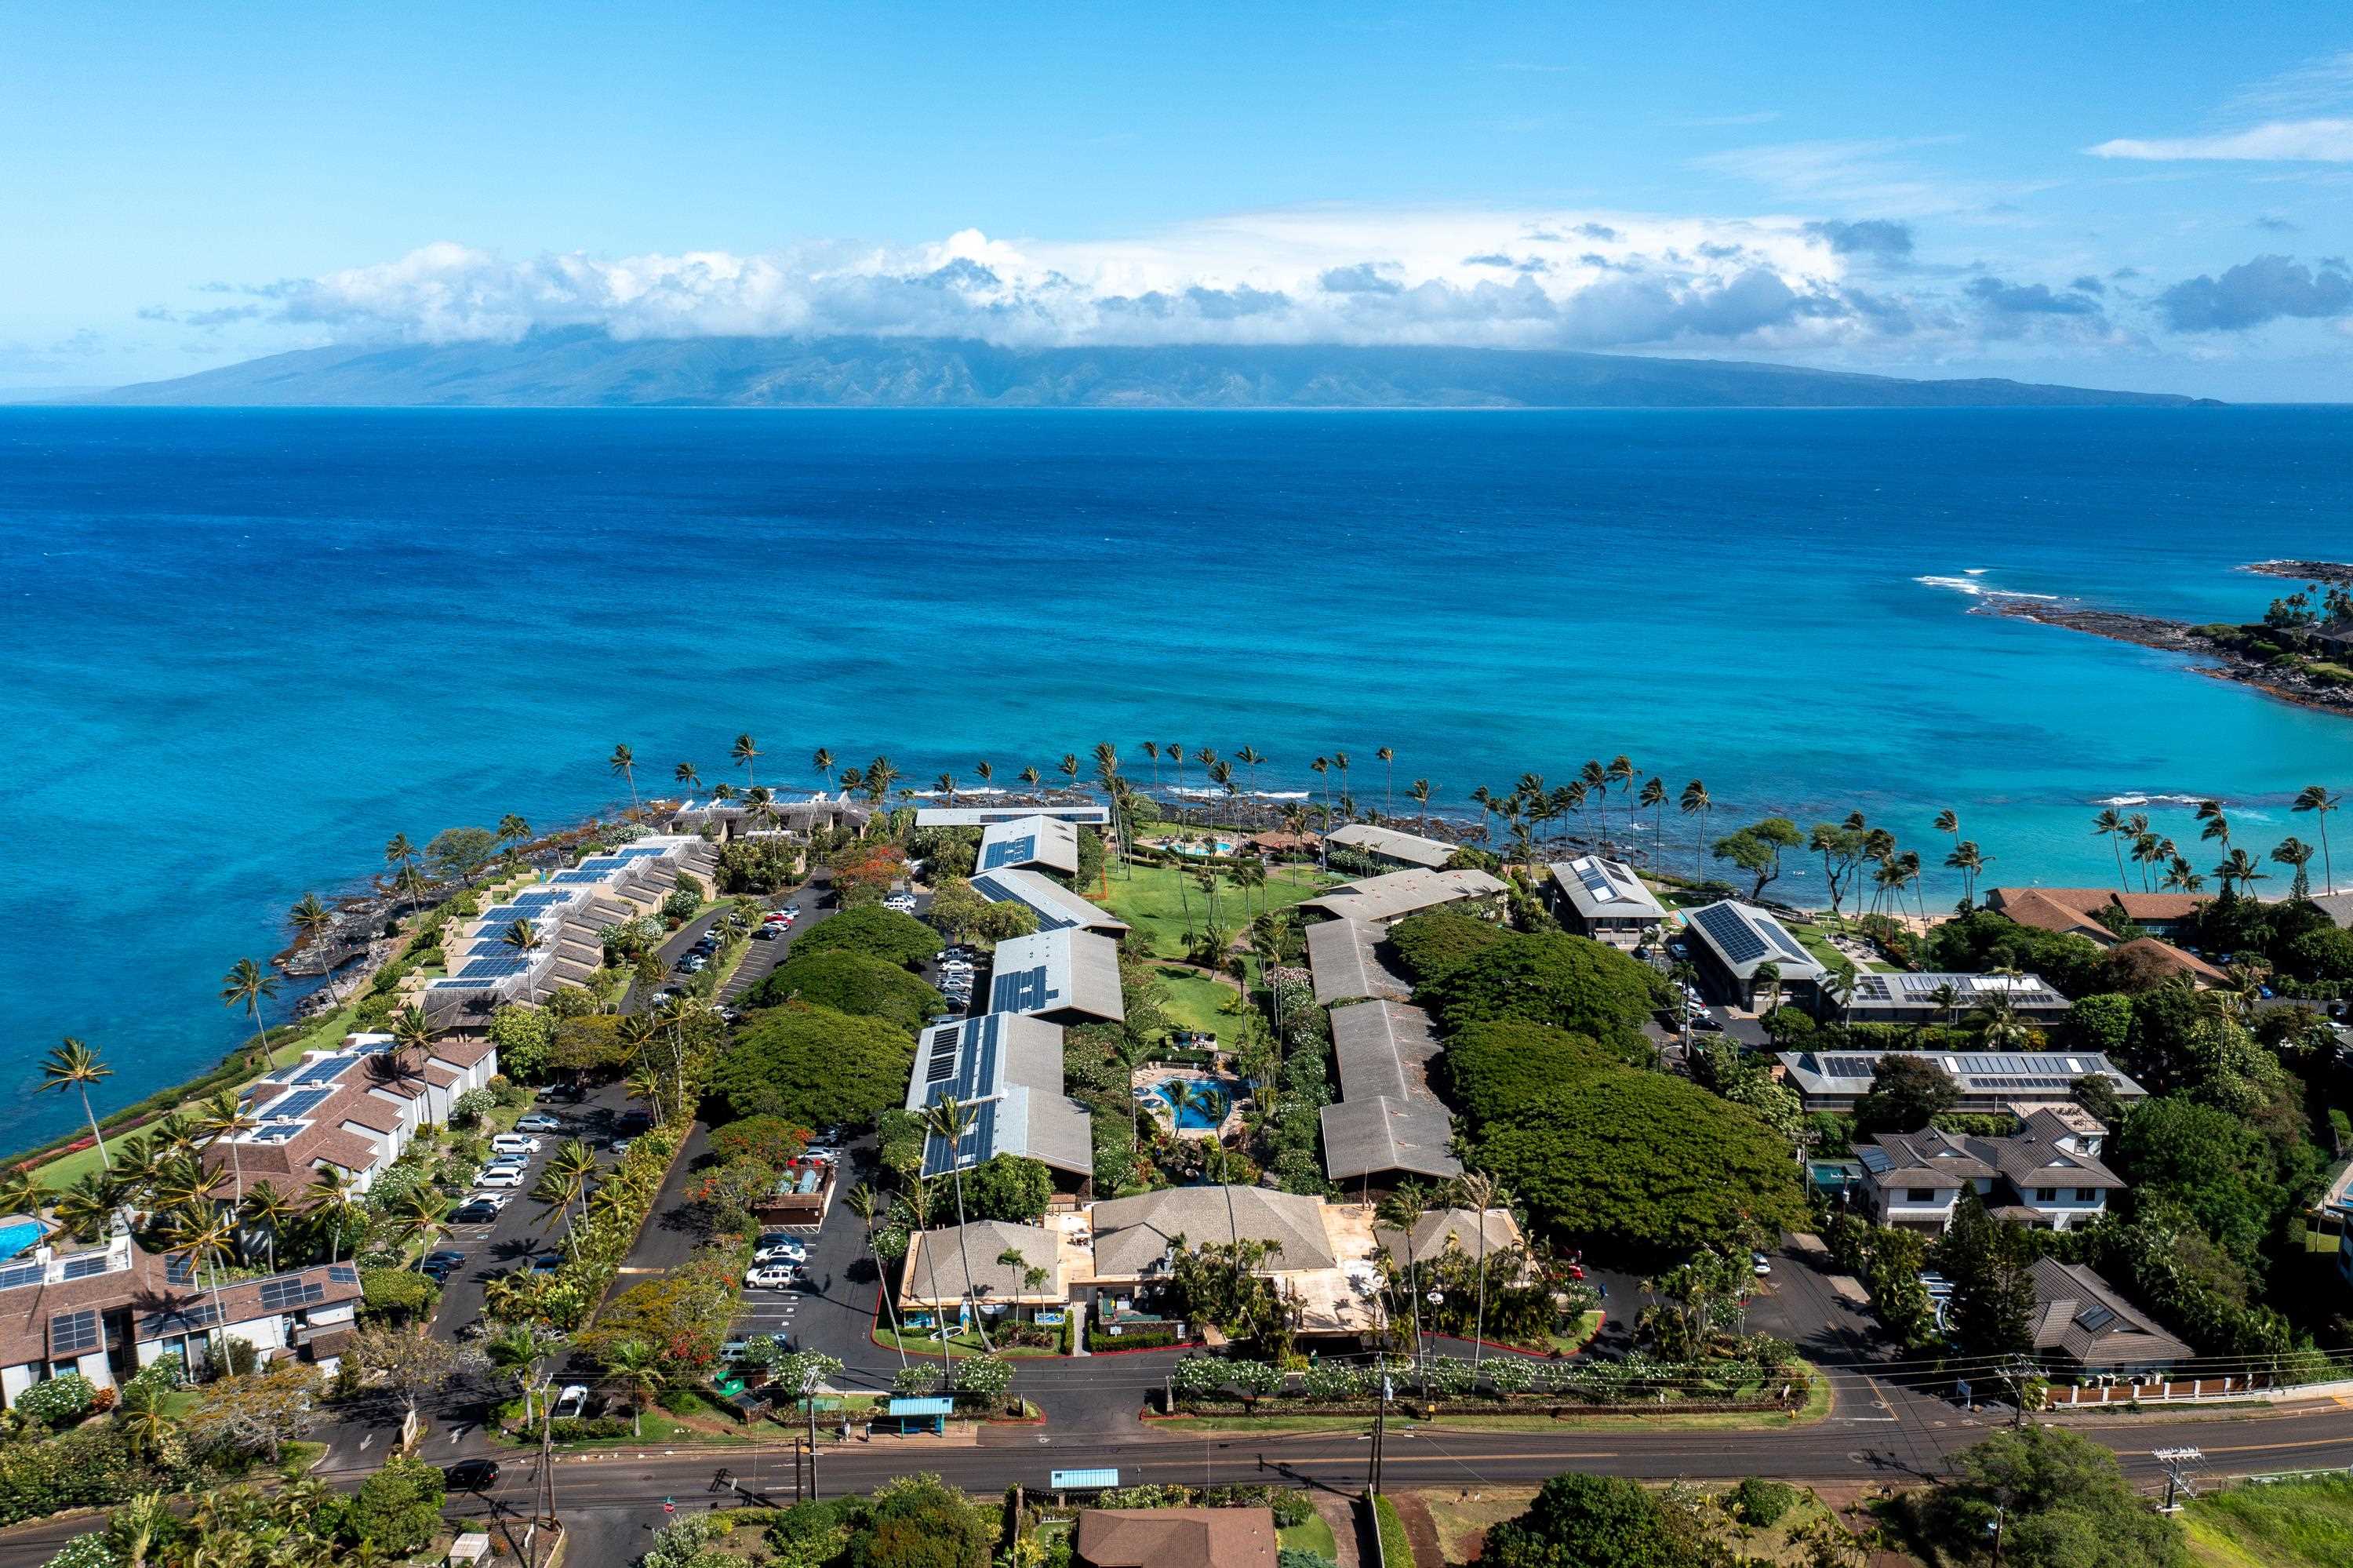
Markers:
point(515, 1143)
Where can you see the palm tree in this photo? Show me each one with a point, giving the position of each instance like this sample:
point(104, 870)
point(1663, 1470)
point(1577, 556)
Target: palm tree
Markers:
point(203, 1241)
point(565, 1182)
point(1478, 1192)
point(224, 1118)
point(74, 1065)
point(1948, 822)
point(270, 1209)
point(880, 774)
point(687, 777)
point(2218, 825)
point(949, 1120)
point(636, 1366)
point(334, 1194)
point(945, 785)
point(245, 985)
point(2295, 853)
point(915, 1204)
point(315, 920)
point(1402, 1211)
point(1070, 768)
point(1696, 803)
point(746, 755)
point(520, 937)
point(423, 1216)
point(513, 830)
point(1249, 757)
point(1968, 859)
point(1031, 777)
point(88, 1207)
point(398, 853)
point(2237, 868)
point(2315, 799)
point(21, 1192)
point(625, 762)
point(2110, 825)
point(1654, 795)
point(1389, 785)
point(1945, 998)
point(821, 760)
point(867, 1204)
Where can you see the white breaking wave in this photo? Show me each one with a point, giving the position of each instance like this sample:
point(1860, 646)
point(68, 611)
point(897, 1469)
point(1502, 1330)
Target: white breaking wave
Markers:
point(2148, 801)
point(1194, 792)
point(1974, 588)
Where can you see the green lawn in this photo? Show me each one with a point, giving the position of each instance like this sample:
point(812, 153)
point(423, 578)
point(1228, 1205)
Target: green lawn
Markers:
point(1315, 1536)
point(1198, 1003)
point(1156, 900)
point(2286, 1524)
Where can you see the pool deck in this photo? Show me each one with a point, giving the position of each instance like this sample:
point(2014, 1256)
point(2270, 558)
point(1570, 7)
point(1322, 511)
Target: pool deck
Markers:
point(1144, 1081)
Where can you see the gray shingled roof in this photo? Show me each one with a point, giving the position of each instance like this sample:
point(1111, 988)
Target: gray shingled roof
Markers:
point(1388, 1117)
point(1345, 957)
point(1054, 904)
point(1075, 971)
point(1434, 1232)
point(1392, 844)
point(1600, 888)
point(2081, 1315)
point(1008, 1068)
point(1402, 892)
point(984, 1242)
point(1132, 1233)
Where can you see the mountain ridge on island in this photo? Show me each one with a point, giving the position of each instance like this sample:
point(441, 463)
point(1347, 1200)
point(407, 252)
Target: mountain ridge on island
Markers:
point(583, 368)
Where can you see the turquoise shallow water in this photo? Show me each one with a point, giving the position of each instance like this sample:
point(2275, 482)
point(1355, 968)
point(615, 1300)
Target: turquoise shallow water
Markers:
point(243, 648)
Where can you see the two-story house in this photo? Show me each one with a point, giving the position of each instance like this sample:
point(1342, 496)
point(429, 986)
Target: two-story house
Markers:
point(2048, 1174)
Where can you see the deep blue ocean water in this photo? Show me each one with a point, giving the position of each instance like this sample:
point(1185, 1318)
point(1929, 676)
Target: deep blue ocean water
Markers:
point(242, 649)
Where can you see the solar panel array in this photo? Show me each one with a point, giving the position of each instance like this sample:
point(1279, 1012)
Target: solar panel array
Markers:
point(1597, 882)
point(942, 1065)
point(977, 1144)
point(997, 892)
point(1011, 852)
point(19, 1274)
point(344, 1273)
point(302, 1102)
point(276, 1132)
point(185, 1321)
point(179, 1269)
point(285, 1295)
point(74, 1334)
point(324, 1070)
point(2094, 1319)
point(1023, 990)
point(493, 969)
point(541, 899)
point(82, 1266)
point(1733, 938)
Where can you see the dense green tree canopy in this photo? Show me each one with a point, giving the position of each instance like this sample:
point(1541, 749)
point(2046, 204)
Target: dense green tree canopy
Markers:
point(1548, 978)
point(1581, 1521)
point(1496, 1070)
point(851, 982)
point(1908, 1090)
point(2101, 1022)
point(1643, 1162)
point(2064, 1503)
point(1433, 943)
point(1005, 1188)
point(815, 1067)
point(875, 931)
point(2222, 1173)
point(461, 853)
point(1982, 940)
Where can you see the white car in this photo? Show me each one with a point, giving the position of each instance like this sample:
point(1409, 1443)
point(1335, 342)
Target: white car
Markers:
point(783, 1252)
point(1759, 1265)
point(515, 1143)
point(538, 1122)
point(509, 1177)
point(770, 1276)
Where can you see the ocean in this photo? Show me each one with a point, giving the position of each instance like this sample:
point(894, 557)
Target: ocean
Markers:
point(244, 647)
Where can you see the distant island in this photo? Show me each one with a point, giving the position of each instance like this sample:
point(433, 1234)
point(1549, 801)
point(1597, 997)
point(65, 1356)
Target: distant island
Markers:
point(585, 368)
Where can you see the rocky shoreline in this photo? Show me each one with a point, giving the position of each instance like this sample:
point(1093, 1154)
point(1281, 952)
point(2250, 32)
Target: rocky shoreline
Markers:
point(2338, 572)
point(2178, 637)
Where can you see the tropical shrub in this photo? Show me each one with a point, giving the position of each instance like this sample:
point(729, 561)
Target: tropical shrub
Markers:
point(399, 1507)
point(815, 1066)
point(875, 931)
point(59, 1402)
point(1548, 978)
point(852, 982)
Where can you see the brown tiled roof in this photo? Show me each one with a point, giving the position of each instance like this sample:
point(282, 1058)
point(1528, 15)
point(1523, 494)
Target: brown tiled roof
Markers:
point(2037, 907)
point(2175, 961)
point(1176, 1538)
point(26, 1312)
point(459, 1051)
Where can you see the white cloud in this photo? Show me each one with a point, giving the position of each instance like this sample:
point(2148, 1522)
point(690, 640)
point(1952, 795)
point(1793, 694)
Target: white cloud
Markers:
point(1316, 275)
point(2279, 141)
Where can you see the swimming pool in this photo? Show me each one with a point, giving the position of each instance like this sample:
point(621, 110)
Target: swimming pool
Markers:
point(1198, 1118)
point(20, 1235)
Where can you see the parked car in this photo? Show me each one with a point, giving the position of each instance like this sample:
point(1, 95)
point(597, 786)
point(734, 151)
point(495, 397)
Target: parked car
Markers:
point(507, 1176)
point(538, 1122)
point(769, 932)
point(479, 1210)
point(515, 1143)
point(573, 1401)
point(825, 1152)
point(783, 1252)
point(547, 1262)
point(621, 1145)
point(1759, 1265)
point(904, 903)
point(770, 1277)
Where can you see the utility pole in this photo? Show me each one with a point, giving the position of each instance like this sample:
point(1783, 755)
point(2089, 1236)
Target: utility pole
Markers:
point(1380, 1434)
point(2175, 1460)
point(2001, 1516)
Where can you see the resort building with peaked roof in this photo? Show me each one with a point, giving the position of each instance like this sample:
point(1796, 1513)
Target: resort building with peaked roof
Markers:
point(1730, 944)
point(1595, 896)
point(2047, 1175)
point(1175, 1537)
point(1055, 906)
point(1945, 998)
point(1390, 846)
point(1007, 1067)
point(1034, 843)
point(1344, 959)
point(2078, 910)
point(1323, 1262)
point(1065, 975)
point(1378, 900)
point(1388, 1125)
point(2020, 1082)
point(1085, 813)
point(353, 1109)
point(2081, 1322)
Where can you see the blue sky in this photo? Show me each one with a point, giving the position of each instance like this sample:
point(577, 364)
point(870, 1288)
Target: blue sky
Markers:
point(2152, 195)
